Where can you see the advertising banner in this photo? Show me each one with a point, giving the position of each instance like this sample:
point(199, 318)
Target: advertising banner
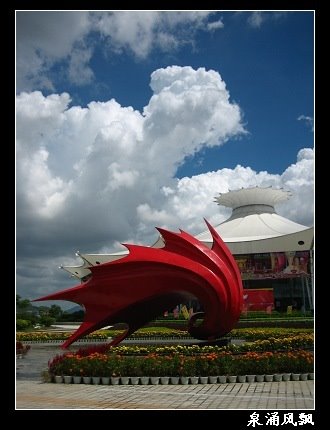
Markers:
point(273, 265)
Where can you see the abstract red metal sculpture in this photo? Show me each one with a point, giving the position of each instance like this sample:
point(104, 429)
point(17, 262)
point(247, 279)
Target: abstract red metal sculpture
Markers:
point(148, 281)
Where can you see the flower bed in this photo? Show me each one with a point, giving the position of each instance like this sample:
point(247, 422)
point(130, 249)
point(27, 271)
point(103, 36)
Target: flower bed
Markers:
point(144, 333)
point(303, 341)
point(267, 332)
point(299, 323)
point(222, 363)
point(273, 355)
point(283, 341)
point(102, 335)
point(275, 344)
point(53, 336)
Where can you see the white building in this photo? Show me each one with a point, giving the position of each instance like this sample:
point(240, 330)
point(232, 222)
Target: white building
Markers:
point(273, 253)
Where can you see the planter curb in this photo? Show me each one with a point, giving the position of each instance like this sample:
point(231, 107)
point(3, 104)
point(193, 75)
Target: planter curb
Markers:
point(176, 380)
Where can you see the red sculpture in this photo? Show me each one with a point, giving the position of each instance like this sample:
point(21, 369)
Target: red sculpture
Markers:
point(142, 285)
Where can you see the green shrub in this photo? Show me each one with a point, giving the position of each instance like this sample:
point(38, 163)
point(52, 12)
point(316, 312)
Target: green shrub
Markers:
point(22, 324)
point(46, 321)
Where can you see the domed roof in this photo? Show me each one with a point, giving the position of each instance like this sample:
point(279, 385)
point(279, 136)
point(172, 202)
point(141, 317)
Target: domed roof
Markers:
point(254, 217)
point(253, 196)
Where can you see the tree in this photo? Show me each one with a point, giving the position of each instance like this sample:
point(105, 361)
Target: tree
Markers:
point(74, 316)
point(56, 312)
point(22, 304)
point(43, 311)
point(46, 321)
point(25, 311)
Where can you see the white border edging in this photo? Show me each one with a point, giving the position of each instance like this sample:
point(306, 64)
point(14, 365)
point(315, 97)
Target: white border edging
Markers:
point(142, 380)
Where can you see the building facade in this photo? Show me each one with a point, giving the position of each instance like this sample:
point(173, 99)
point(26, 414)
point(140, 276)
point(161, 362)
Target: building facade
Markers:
point(274, 254)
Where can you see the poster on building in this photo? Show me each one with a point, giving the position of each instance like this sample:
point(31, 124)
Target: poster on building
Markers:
point(261, 299)
point(273, 265)
point(185, 312)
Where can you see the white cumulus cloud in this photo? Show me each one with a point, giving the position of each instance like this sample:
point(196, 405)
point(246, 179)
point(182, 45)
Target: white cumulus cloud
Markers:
point(191, 199)
point(96, 166)
point(88, 178)
point(45, 39)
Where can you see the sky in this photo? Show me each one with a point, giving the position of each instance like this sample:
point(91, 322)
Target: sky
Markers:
point(131, 120)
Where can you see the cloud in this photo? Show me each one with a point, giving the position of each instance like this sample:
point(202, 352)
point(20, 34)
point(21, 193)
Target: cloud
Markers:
point(215, 25)
point(299, 178)
point(49, 39)
point(42, 39)
point(191, 199)
point(106, 147)
point(191, 109)
point(309, 121)
point(256, 19)
point(79, 71)
point(141, 32)
point(88, 178)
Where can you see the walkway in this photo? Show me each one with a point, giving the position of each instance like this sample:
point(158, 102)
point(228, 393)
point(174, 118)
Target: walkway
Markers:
point(265, 395)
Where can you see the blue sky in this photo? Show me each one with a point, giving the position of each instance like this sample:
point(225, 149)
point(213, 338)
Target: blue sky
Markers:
point(268, 69)
point(219, 100)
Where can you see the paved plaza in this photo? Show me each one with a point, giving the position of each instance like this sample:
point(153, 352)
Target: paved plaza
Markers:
point(264, 395)
point(32, 393)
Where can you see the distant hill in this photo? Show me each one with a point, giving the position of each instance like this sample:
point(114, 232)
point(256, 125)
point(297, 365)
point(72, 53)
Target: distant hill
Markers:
point(74, 309)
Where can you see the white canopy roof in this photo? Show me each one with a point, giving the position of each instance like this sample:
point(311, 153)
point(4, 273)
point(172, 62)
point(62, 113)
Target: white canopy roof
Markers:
point(253, 227)
point(91, 260)
point(254, 223)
